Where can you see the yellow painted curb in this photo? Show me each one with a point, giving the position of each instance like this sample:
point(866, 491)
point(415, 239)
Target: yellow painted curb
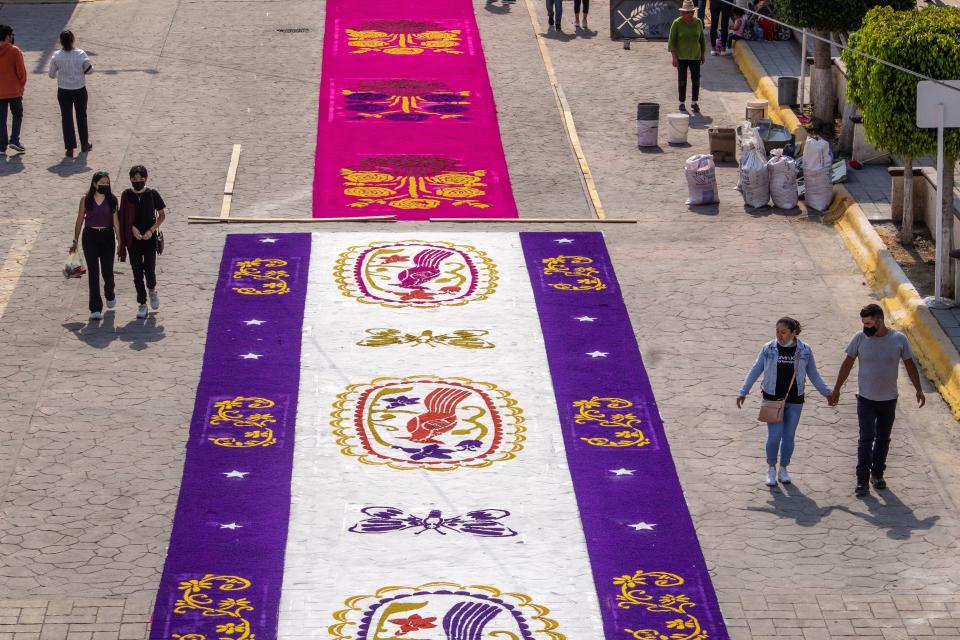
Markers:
point(902, 303)
point(763, 86)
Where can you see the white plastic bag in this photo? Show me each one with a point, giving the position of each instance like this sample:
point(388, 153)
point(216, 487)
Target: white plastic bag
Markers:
point(73, 267)
point(783, 180)
point(754, 179)
point(701, 175)
point(818, 185)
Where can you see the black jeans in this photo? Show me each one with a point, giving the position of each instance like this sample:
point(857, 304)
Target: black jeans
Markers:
point(16, 108)
point(554, 10)
point(720, 13)
point(876, 422)
point(143, 262)
point(73, 100)
point(99, 246)
point(694, 67)
point(586, 7)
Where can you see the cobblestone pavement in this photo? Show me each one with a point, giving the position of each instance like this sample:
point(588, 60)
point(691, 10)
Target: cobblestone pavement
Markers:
point(95, 417)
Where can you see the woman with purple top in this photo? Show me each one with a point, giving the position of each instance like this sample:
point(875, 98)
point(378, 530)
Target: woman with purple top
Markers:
point(97, 217)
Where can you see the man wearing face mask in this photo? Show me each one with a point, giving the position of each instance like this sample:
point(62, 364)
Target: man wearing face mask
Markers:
point(142, 211)
point(880, 350)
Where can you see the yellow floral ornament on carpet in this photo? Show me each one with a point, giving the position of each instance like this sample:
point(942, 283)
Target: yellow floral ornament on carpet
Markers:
point(403, 37)
point(413, 182)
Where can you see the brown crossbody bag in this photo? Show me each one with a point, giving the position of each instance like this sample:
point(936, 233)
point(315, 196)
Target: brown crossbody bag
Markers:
point(772, 410)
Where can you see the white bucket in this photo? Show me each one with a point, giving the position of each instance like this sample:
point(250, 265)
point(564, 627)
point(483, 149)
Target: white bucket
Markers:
point(647, 131)
point(677, 126)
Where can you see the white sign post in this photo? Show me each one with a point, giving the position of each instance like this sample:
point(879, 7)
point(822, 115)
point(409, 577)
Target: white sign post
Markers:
point(938, 107)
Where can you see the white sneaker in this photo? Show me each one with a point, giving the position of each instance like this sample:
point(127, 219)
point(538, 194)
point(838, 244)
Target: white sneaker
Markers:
point(784, 476)
point(154, 299)
point(772, 477)
point(96, 315)
point(142, 312)
point(112, 303)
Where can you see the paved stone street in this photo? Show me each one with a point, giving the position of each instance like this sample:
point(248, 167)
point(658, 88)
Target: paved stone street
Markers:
point(95, 417)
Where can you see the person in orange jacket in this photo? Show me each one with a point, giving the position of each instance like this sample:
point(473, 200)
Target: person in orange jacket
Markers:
point(13, 78)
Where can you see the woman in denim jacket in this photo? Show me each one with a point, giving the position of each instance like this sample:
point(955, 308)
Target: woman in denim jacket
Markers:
point(776, 363)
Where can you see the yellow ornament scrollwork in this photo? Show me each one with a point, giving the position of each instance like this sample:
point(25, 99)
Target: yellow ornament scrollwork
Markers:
point(463, 338)
point(595, 410)
point(194, 598)
point(587, 279)
point(245, 412)
point(266, 271)
point(633, 593)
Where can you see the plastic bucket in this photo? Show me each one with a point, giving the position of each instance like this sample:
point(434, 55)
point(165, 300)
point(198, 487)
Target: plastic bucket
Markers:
point(677, 126)
point(648, 111)
point(647, 133)
point(787, 90)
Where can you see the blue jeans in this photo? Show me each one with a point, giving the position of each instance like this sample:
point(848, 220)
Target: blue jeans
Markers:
point(780, 435)
point(554, 10)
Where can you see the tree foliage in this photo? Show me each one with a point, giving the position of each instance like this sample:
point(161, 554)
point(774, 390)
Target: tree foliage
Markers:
point(832, 15)
point(926, 41)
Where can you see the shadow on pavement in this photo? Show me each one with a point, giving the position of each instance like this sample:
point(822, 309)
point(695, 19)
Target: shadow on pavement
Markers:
point(885, 511)
point(560, 36)
point(498, 9)
point(11, 165)
point(791, 502)
point(139, 334)
point(70, 166)
point(705, 209)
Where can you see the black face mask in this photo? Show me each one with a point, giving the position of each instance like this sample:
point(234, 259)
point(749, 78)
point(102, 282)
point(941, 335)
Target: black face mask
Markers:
point(137, 186)
point(869, 331)
point(103, 189)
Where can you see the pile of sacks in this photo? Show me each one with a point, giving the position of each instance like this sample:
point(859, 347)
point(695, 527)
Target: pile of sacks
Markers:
point(762, 180)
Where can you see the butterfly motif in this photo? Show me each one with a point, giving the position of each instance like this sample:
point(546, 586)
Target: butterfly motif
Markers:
point(483, 522)
point(463, 338)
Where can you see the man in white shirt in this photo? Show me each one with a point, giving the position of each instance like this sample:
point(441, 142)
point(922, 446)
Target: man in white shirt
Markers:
point(69, 66)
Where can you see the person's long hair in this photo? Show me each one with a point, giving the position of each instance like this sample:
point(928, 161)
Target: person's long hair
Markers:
point(66, 40)
point(89, 202)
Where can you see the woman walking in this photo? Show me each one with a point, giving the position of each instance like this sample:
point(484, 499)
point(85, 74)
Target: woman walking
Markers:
point(97, 217)
point(69, 66)
point(688, 45)
point(785, 363)
point(142, 211)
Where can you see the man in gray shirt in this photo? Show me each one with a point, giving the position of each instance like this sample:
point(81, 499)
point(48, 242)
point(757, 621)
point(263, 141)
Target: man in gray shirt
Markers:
point(880, 350)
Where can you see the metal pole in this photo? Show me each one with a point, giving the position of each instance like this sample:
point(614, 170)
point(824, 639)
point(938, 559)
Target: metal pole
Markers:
point(803, 65)
point(942, 248)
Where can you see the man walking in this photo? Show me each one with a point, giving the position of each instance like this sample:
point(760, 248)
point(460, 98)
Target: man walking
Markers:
point(880, 350)
point(13, 78)
point(554, 13)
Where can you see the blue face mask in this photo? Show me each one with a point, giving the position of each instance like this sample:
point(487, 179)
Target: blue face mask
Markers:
point(789, 344)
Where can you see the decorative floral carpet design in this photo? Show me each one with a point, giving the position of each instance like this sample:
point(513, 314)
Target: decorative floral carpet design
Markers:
point(481, 461)
point(407, 123)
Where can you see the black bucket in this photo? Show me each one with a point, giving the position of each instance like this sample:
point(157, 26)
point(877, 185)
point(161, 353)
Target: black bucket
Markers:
point(787, 91)
point(648, 111)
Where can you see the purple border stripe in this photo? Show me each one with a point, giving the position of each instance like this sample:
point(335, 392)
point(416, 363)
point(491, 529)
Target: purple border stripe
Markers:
point(632, 508)
point(230, 528)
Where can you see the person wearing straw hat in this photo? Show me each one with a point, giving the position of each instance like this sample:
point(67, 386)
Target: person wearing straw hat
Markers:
point(688, 45)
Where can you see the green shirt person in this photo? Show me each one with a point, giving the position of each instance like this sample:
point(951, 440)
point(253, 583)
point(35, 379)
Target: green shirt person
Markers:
point(688, 45)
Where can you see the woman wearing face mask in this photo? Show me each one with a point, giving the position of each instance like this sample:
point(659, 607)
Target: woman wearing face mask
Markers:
point(142, 211)
point(785, 363)
point(97, 217)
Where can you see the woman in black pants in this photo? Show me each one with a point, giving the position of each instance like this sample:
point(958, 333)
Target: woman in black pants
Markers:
point(576, 13)
point(69, 66)
point(97, 217)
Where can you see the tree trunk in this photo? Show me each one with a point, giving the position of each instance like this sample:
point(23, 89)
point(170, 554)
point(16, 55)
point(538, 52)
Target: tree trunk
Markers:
point(845, 143)
point(821, 84)
point(906, 225)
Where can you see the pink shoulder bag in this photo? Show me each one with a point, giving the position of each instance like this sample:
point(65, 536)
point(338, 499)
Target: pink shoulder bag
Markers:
point(772, 410)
